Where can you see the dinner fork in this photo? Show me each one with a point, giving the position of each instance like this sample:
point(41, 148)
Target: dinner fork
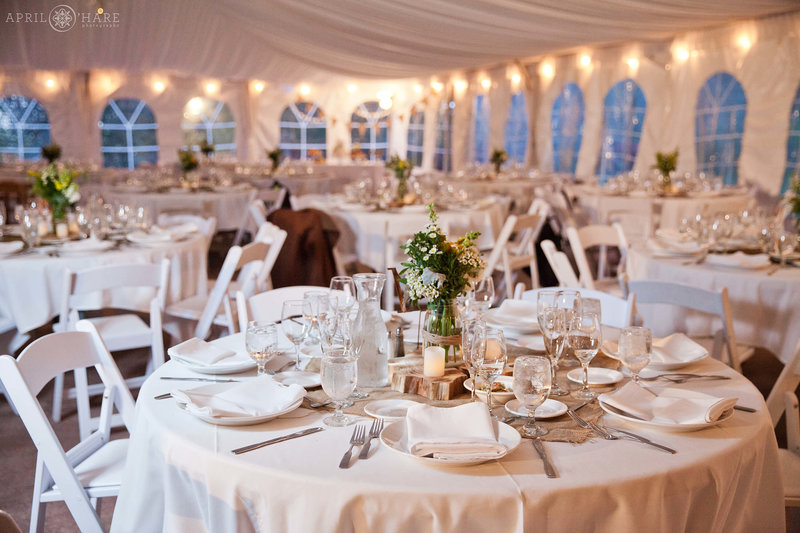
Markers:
point(374, 433)
point(357, 439)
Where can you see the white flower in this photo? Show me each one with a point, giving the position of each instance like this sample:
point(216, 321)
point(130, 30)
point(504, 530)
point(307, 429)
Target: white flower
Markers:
point(426, 258)
point(72, 193)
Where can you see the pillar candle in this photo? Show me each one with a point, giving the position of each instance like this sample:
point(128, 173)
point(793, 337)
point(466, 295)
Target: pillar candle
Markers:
point(433, 362)
point(62, 230)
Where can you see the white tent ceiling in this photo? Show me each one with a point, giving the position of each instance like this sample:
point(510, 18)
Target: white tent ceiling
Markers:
point(310, 40)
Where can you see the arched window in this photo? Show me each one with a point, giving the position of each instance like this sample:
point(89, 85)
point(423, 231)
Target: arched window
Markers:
point(567, 123)
point(370, 131)
point(416, 134)
point(623, 117)
point(24, 127)
point(793, 144)
point(480, 132)
point(303, 131)
point(208, 120)
point(719, 124)
point(516, 134)
point(442, 156)
point(128, 131)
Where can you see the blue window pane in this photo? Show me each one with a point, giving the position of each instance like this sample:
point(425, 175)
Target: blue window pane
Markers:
point(303, 131)
point(480, 112)
point(516, 130)
point(623, 118)
point(205, 119)
point(793, 144)
point(719, 125)
point(444, 137)
point(24, 127)
point(128, 133)
point(416, 134)
point(567, 124)
point(369, 131)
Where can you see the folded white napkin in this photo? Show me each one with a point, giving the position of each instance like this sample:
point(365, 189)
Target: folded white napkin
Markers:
point(670, 406)
point(674, 244)
point(676, 348)
point(739, 260)
point(517, 312)
point(457, 433)
point(199, 352)
point(260, 396)
point(10, 247)
point(155, 237)
point(86, 245)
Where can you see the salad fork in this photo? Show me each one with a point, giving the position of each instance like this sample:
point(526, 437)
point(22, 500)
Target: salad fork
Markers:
point(357, 439)
point(374, 433)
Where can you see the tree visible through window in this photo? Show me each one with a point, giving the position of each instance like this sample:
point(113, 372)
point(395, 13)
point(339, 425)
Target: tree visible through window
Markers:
point(128, 132)
point(719, 125)
point(416, 134)
point(793, 144)
point(480, 132)
point(303, 131)
point(209, 120)
point(567, 124)
point(444, 136)
point(623, 117)
point(369, 131)
point(24, 127)
point(516, 131)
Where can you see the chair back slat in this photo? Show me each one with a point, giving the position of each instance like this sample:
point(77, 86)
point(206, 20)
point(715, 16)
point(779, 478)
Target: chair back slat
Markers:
point(787, 382)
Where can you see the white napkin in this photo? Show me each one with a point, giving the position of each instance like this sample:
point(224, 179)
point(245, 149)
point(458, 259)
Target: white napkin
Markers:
point(199, 352)
point(456, 433)
point(260, 396)
point(739, 260)
point(10, 247)
point(517, 311)
point(86, 245)
point(178, 230)
point(670, 406)
point(676, 348)
point(684, 247)
point(155, 237)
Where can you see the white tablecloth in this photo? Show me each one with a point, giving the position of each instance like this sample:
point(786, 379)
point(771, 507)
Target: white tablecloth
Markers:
point(30, 284)
point(180, 476)
point(765, 307)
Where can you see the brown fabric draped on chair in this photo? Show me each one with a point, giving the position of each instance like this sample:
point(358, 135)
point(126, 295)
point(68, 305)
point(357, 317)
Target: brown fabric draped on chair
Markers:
point(307, 255)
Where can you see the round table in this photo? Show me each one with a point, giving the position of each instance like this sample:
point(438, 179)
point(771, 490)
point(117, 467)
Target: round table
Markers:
point(181, 476)
point(31, 283)
point(763, 302)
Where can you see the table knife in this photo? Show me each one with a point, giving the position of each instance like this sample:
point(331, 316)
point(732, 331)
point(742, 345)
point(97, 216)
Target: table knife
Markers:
point(210, 380)
point(548, 466)
point(302, 433)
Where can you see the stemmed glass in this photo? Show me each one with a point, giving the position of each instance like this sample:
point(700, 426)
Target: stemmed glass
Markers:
point(345, 289)
point(532, 382)
point(328, 322)
point(318, 300)
point(553, 324)
point(570, 301)
point(635, 344)
point(494, 361)
point(296, 322)
point(261, 341)
point(585, 338)
point(483, 295)
point(339, 372)
point(30, 229)
point(473, 347)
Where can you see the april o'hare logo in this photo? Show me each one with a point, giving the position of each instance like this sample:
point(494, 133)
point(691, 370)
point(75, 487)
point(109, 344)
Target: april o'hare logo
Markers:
point(62, 18)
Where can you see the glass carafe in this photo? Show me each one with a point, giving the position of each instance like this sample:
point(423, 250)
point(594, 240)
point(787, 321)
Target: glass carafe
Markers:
point(369, 332)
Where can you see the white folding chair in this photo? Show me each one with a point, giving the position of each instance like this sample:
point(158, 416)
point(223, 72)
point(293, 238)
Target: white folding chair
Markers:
point(559, 263)
point(790, 456)
point(93, 468)
point(267, 306)
point(596, 235)
point(614, 311)
point(709, 302)
point(510, 255)
point(267, 201)
point(85, 290)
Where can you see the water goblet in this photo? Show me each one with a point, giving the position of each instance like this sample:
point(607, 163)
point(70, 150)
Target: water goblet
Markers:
point(585, 338)
point(483, 295)
point(494, 361)
point(30, 229)
point(635, 344)
point(328, 322)
point(295, 323)
point(546, 298)
point(339, 372)
point(318, 300)
point(261, 341)
point(532, 382)
point(473, 347)
point(570, 301)
point(345, 289)
point(552, 322)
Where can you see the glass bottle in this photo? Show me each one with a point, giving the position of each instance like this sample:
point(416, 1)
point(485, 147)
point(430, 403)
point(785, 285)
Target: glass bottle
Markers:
point(369, 332)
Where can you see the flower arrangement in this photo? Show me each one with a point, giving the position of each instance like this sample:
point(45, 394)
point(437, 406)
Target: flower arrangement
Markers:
point(188, 160)
point(792, 199)
point(51, 152)
point(666, 163)
point(498, 158)
point(206, 148)
point(275, 156)
point(402, 171)
point(56, 184)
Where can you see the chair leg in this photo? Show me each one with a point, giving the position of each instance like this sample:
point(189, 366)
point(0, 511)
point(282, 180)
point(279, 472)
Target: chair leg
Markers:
point(37, 517)
point(58, 397)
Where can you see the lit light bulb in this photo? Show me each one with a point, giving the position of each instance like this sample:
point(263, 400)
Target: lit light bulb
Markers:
point(681, 54)
point(195, 105)
point(744, 42)
point(50, 83)
point(158, 86)
point(212, 87)
point(418, 88)
point(437, 86)
point(547, 70)
point(385, 103)
point(258, 86)
point(460, 85)
point(486, 83)
point(305, 90)
point(351, 88)
point(633, 63)
point(586, 60)
point(516, 78)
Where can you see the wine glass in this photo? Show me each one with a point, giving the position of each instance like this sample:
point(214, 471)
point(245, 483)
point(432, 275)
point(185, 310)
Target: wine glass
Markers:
point(570, 301)
point(546, 298)
point(585, 338)
point(318, 300)
point(345, 289)
point(295, 322)
point(30, 229)
point(261, 341)
point(473, 347)
point(635, 344)
point(532, 381)
point(483, 295)
point(328, 322)
point(553, 324)
point(494, 361)
point(339, 372)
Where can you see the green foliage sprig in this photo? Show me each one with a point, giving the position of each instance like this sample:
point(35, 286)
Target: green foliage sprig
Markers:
point(51, 152)
point(57, 185)
point(498, 158)
point(188, 160)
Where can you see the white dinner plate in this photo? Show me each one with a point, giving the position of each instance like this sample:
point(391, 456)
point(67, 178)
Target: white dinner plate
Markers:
point(611, 349)
point(393, 437)
point(597, 376)
point(664, 425)
point(511, 325)
point(549, 409)
point(10, 247)
point(307, 380)
point(389, 410)
point(497, 397)
point(241, 420)
point(231, 365)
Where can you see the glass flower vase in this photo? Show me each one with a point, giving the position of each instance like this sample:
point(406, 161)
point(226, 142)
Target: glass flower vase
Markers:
point(442, 327)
